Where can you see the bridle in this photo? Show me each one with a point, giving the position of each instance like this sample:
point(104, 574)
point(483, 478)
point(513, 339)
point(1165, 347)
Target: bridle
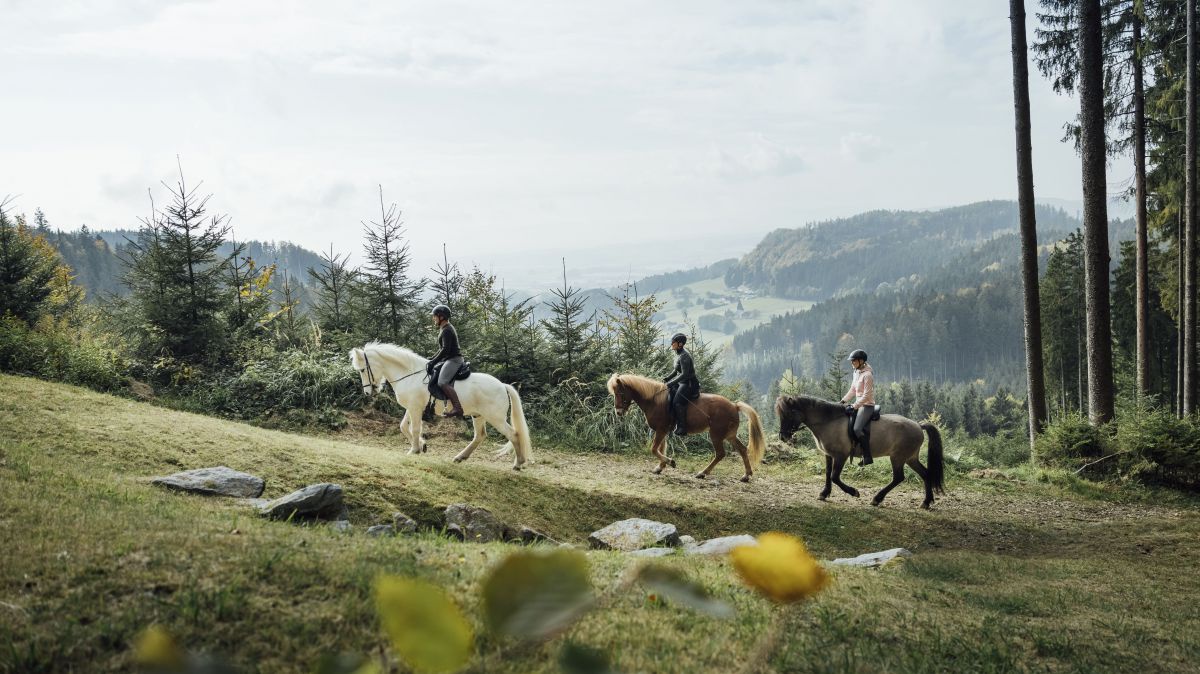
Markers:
point(622, 404)
point(371, 377)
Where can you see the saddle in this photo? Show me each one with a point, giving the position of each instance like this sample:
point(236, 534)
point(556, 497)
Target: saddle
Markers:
point(866, 427)
point(432, 382)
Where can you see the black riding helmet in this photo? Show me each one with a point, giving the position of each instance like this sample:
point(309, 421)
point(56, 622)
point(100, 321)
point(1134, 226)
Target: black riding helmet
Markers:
point(857, 354)
point(679, 337)
point(441, 311)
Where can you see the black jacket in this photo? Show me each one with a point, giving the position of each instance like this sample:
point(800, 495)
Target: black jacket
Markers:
point(684, 372)
point(448, 341)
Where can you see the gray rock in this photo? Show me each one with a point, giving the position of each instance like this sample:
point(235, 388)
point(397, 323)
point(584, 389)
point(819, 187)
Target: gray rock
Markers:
point(218, 481)
point(257, 503)
point(456, 532)
point(322, 501)
point(686, 541)
point(873, 559)
point(478, 525)
point(403, 524)
point(634, 534)
point(653, 552)
point(720, 546)
point(340, 526)
point(529, 536)
point(381, 530)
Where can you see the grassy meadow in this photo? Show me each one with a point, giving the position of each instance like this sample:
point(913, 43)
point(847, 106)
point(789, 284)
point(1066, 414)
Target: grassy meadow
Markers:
point(1023, 572)
point(764, 307)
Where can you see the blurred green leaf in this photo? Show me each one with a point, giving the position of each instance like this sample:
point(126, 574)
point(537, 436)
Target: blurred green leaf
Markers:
point(532, 595)
point(427, 629)
point(579, 659)
point(672, 584)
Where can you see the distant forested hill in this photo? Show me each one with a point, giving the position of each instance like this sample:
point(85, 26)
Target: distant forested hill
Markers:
point(955, 318)
point(95, 257)
point(859, 253)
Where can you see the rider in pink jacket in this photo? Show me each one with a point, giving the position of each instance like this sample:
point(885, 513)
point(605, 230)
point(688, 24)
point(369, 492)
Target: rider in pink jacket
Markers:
point(862, 392)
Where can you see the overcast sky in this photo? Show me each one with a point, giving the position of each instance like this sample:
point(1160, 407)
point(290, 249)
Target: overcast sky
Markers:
point(576, 128)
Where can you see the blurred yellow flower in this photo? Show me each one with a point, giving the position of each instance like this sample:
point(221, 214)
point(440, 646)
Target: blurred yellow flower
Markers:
point(780, 567)
point(156, 648)
point(426, 627)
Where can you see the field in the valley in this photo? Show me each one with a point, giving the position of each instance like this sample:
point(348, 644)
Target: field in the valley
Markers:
point(1027, 575)
point(721, 299)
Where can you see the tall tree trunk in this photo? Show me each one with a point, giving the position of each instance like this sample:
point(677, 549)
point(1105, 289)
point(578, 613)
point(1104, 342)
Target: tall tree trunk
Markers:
point(1179, 316)
point(1189, 225)
point(1095, 214)
point(1139, 180)
point(1036, 394)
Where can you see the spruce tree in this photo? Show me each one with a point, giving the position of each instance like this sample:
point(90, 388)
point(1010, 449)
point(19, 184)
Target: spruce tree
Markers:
point(390, 298)
point(177, 277)
point(28, 267)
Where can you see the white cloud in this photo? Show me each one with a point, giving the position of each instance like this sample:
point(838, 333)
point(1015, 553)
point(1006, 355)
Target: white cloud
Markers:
point(860, 147)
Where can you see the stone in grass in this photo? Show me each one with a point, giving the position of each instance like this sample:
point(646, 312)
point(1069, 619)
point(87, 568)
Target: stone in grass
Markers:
point(634, 534)
point(320, 501)
point(873, 559)
point(341, 526)
point(381, 530)
point(721, 546)
point(478, 525)
point(528, 536)
point(217, 481)
point(654, 552)
point(686, 541)
point(403, 524)
point(454, 531)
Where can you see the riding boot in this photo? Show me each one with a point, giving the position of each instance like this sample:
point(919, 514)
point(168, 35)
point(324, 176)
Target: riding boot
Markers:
point(864, 441)
point(456, 409)
point(680, 414)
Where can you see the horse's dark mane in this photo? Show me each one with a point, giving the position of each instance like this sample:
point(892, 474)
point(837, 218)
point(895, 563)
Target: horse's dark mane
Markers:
point(815, 405)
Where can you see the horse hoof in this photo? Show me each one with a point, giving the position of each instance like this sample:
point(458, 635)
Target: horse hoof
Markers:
point(854, 493)
point(823, 497)
point(517, 468)
point(745, 478)
point(671, 462)
point(925, 505)
point(459, 459)
point(700, 476)
point(875, 503)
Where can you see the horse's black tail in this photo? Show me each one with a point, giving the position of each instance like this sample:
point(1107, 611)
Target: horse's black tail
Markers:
point(937, 469)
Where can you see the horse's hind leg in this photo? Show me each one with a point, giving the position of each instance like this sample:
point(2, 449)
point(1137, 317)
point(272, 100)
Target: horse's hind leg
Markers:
point(921, 470)
point(741, 449)
point(501, 424)
point(719, 446)
point(838, 463)
point(897, 478)
point(480, 433)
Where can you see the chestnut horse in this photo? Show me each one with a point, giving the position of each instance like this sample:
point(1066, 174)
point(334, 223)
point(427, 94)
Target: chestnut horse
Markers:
point(713, 413)
point(893, 436)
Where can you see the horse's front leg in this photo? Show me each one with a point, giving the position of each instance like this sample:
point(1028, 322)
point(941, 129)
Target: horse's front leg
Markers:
point(480, 432)
point(838, 463)
point(415, 426)
point(828, 475)
point(656, 448)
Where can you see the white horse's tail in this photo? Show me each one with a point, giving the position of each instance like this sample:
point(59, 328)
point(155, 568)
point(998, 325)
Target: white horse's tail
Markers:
point(523, 445)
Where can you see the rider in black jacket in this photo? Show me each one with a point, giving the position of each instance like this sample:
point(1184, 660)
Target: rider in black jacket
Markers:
point(682, 383)
point(450, 355)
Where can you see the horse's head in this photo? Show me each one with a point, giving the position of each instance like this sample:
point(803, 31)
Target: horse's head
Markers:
point(791, 414)
point(621, 394)
point(366, 376)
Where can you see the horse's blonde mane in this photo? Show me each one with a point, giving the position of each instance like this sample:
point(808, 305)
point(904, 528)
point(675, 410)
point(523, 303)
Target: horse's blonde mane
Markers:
point(389, 350)
point(645, 386)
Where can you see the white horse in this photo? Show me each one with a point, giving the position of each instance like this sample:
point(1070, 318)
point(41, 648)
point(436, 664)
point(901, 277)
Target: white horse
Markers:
point(484, 398)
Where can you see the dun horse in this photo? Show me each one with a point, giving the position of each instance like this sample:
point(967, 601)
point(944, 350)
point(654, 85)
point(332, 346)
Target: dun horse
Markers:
point(893, 436)
point(713, 413)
